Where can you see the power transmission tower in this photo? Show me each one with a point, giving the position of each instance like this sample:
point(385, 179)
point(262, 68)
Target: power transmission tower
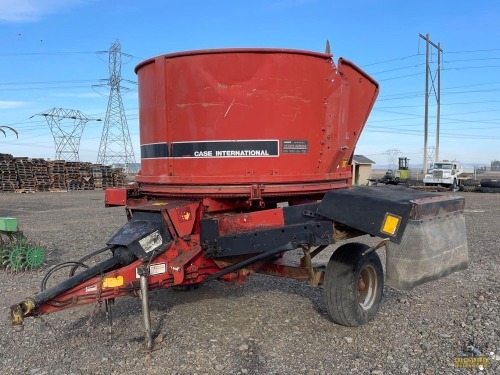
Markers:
point(437, 93)
point(431, 155)
point(116, 145)
point(67, 127)
point(392, 156)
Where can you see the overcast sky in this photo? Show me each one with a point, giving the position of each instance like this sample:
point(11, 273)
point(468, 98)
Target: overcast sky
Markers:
point(49, 58)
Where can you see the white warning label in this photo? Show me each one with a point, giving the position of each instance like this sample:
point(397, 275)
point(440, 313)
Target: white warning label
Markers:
point(155, 269)
point(151, 242)
point(294, 147)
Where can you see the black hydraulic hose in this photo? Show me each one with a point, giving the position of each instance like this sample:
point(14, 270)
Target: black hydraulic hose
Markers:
point(122, 258)
point(86, 257)
point(57, 267)
point(245, 263)
point(50, 293)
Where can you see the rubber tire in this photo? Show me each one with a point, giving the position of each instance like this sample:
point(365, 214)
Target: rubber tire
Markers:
point(490, 183)
point(470, 182)
point(341, 285)
point(483, 189)
point(469, 189)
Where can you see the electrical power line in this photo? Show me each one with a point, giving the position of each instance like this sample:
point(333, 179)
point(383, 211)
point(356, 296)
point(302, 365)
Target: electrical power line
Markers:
point(61, 53)
point(474, 50)
point(44, 82)
point(47, 53)
point(390, 60)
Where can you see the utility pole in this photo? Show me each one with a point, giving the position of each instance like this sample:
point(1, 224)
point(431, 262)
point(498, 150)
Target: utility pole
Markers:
point(426, 119)
point(438, 99)
point(66, 126)
point(437, 93)
point(116, 145)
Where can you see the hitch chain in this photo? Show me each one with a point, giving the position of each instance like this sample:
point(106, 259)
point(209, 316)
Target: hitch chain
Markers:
point(46, 322)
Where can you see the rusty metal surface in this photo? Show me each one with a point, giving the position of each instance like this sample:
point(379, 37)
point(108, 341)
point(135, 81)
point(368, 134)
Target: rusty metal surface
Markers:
point(176, 266)
point(344, 232)
point(275, 188)
point(250, 221)
point(279, 267)
point(293, 270)
point(426, 208)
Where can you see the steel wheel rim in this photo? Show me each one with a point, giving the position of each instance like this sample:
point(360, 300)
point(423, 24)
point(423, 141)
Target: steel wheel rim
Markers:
point(367, 287)
point(17, 258)
point(35, 257)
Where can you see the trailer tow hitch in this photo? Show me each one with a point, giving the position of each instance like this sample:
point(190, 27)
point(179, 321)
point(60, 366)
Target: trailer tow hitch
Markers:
point(19, 311)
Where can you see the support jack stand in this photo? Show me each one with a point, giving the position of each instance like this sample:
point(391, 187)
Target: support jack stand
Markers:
point(109, 314)
point(143, 272)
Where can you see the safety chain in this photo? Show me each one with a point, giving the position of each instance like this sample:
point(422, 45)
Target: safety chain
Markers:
point(52, 327)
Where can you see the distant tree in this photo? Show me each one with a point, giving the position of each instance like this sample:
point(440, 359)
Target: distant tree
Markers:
point(495, 165)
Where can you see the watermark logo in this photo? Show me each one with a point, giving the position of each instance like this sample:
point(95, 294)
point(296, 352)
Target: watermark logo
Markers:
point(473, 356)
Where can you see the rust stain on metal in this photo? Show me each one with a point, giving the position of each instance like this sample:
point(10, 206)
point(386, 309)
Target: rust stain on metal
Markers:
point(293, 270)
point(250, 222)
point(426, 208)
point(344, 232)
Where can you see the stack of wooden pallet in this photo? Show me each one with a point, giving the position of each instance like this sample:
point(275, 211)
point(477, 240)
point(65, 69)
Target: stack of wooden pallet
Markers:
point(119, 177)
point(57, 175)
point(8, 173)
point(87, 181)
point(73, 177)
point(41, 173)
point(22, 174)
point(107, 177)
point(27, 183)
point(96, 170)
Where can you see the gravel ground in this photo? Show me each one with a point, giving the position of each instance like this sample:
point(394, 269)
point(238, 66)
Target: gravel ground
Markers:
point(265, 326)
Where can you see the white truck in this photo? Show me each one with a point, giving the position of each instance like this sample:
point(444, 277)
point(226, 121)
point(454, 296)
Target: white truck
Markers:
point(449, 174)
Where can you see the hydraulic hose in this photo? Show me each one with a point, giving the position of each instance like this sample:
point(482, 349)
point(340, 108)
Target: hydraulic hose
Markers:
point(122, 257)
point(43, 284)
point(83, 276)
point(86, 257)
